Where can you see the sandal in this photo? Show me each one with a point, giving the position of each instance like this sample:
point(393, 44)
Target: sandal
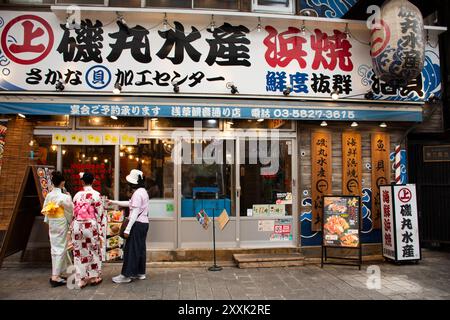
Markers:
point(96, 282)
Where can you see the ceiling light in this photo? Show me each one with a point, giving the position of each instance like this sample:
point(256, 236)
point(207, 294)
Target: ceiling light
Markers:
point(287, 91)
point(114, 117)
point(383, 125)
point(335, 95)
point(59, 86)
point(259, 26)
point(21, 115)
point(354, 124)
point(117, 88)
point(232, 87)
point(260, 120)
point(323, 124)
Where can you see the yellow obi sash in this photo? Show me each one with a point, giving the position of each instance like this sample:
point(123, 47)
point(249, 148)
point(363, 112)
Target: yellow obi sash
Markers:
point(53, 211)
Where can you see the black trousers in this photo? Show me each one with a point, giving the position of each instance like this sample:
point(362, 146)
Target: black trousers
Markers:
point(135, 251)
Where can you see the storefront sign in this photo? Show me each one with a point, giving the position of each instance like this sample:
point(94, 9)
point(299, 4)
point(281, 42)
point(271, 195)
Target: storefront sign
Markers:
point(223, 219)
point(381, 172)
point(260, 210)
point(341, 217)
point(203, 219)
point(200, 60)
point(436, 153)
point(400, 223)
point(387, 230)
point(284, 198)
point(361, 113)
point(351, 163)
point(114, 243)
point(321, 174)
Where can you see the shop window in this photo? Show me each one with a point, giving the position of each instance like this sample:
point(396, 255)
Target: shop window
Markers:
point(154, 158)
point(169, 3)
point(275, 6)
point(266, 186)
point(265, 124)
point(44, 152)
point(217, 4)
point(99, 160)
point(207, 179)
point(51, 121)
point(168, 123)
point(108, 122)
point(82, 2)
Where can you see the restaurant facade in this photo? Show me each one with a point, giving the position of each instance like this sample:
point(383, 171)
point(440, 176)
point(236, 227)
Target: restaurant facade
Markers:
point(257, 113)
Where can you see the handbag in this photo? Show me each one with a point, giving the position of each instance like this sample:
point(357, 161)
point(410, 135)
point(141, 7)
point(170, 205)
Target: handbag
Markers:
point(124, 225)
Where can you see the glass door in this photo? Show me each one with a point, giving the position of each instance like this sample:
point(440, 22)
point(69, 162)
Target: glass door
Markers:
point(266, 187)
point(206, 186)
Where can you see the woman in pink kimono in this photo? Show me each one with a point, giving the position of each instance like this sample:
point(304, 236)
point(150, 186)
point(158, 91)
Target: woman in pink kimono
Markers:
point(88, 233)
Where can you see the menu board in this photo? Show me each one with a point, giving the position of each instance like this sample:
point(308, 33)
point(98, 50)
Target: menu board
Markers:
point(341, 223)
point(43, 178)
point(114, 242)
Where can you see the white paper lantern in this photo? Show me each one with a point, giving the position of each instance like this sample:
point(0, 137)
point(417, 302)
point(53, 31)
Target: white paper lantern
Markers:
point(397, 43)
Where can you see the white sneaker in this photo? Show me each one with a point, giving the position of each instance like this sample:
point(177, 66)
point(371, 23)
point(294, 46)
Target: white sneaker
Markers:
point(140, 277)
point(121, 279)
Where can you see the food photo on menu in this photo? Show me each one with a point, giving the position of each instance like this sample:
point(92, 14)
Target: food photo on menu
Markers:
point(341, 225)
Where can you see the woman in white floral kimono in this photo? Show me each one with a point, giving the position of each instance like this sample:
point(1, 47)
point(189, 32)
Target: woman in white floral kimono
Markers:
point(88, 233)
point(58, 211)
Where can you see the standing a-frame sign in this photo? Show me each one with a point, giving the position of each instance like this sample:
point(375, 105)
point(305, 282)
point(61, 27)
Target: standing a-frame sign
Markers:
point(35, 186)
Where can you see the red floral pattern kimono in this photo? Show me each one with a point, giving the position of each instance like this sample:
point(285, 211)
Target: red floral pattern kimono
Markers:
point(88, 236)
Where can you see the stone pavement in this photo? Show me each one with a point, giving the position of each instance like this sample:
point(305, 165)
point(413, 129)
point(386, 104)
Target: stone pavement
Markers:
point(430, 279)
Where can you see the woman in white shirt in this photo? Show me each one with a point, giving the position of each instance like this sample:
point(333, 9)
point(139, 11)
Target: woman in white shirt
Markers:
point(135, 251)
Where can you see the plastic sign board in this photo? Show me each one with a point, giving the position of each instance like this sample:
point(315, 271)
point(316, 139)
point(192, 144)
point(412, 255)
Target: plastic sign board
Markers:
point(400, 228)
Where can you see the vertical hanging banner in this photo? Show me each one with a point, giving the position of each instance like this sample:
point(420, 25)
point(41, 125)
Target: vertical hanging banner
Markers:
point(351, 164)
point(320, 175)
point(3, 129)
point(381, 172)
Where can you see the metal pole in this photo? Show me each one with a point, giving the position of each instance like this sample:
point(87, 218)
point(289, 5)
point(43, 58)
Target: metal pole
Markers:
point(215, 267)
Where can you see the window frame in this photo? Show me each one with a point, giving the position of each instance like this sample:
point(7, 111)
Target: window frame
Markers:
point(273, 9)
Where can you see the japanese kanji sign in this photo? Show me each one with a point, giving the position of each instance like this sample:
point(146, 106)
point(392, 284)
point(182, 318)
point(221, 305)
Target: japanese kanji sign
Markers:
point(400, 222)
point(387, 230)
point(320, 174)
point(38, 50)
point(381, 172)
point(351, 163)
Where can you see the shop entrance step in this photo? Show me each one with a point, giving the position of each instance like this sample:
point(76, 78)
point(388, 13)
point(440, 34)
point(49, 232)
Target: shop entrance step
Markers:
point(262, 260)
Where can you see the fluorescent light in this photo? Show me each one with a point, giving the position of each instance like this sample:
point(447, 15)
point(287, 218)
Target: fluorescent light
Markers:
point(212, 121)
point(21, 115)
point(354, 124)
point(323, 124)
point(383, 125)
point(260, 120)
point(114, 117)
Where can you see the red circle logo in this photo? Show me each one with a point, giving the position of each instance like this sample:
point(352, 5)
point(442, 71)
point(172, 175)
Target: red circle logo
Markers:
point(404, 195)
point(34, 28)
point(381, 39)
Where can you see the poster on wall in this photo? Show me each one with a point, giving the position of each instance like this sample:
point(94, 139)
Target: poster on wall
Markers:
point(3, 128)
point(341, 216)
point(321, 173)
point(43, 177)
point(282, 230)
point(381, 172)
point(401, 240)
point(351, 164)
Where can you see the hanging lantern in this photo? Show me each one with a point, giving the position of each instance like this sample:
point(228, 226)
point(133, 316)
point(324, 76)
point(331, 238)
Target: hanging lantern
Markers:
point(397, 43)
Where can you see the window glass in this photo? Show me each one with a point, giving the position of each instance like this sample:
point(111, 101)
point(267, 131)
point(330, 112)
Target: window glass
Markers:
point(283, 6)
point(154, 158)
point(169, 3)
point(207, 179)
point(266, 186)
point(108, 122)
point(29, 1)
point(97, 2)
point(44, 152)
point(128, 3)
point(162, 123)
point(217, 4)
point(255, 124)
point(99, 160)
point(51, 121)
